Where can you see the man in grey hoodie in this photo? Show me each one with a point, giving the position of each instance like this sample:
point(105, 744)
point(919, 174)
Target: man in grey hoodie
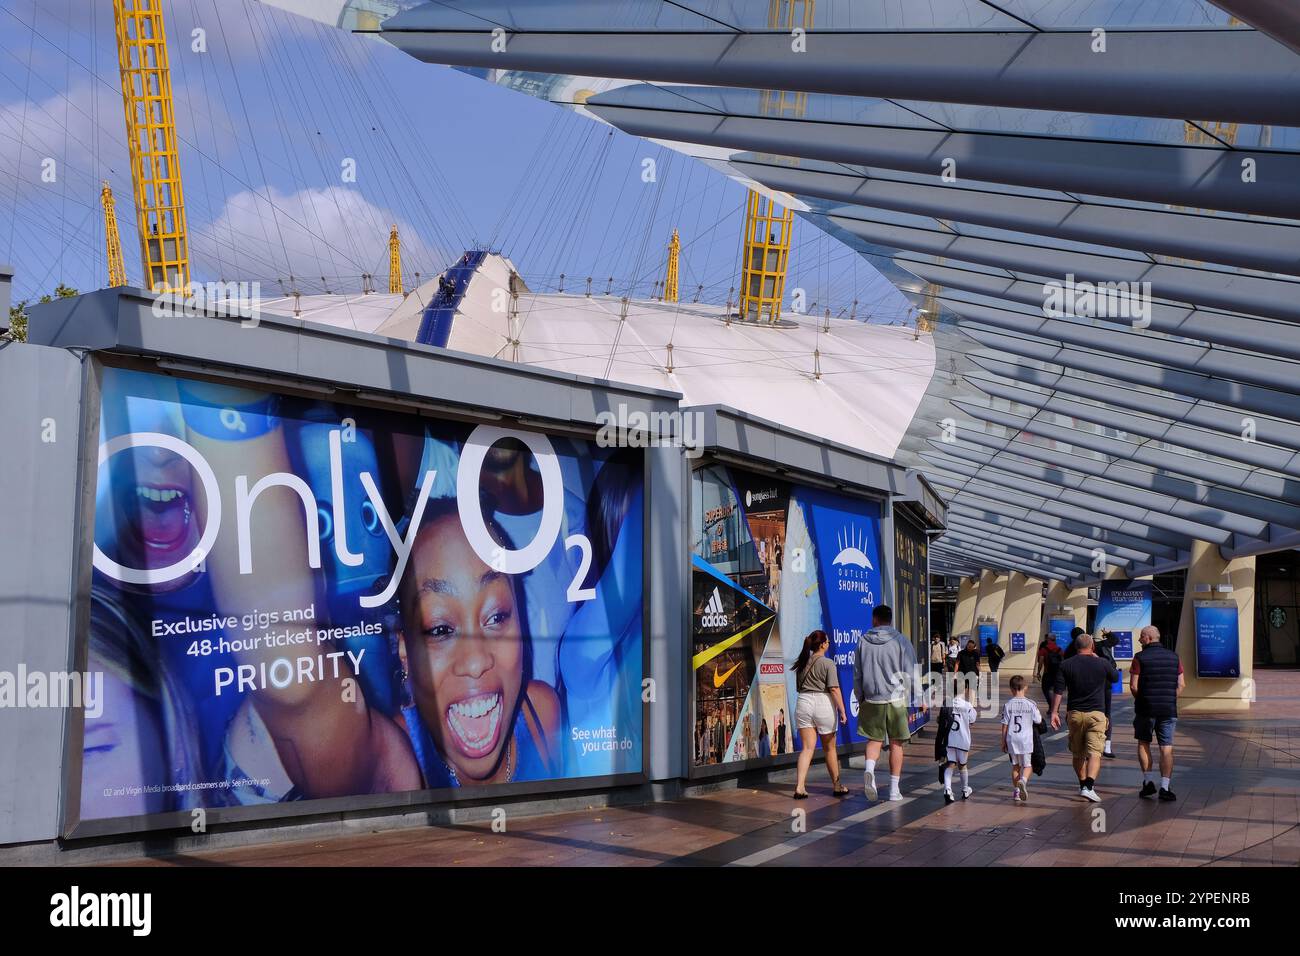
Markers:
point(884, 673)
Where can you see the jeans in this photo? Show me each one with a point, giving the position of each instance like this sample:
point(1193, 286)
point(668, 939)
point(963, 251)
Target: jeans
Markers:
point(1144, 727)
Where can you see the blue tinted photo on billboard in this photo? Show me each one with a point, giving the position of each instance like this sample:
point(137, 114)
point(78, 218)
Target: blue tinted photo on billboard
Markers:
point(296, 599)
point(1218, 649)
point(1123, 609)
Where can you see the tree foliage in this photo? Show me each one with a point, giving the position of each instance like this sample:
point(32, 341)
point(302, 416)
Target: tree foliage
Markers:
point(18, 313)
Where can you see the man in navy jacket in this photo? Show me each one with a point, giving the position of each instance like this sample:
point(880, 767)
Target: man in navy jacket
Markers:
point(1155, 681)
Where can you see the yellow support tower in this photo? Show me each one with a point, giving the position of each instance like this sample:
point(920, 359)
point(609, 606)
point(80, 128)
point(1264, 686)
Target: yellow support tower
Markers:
point(116, 268)
point(670, 281)
point(151, 140)
point(928, 312)
point(394, 263)
point(787, 15)
point(1211, 135)
point(1211, 132)
point(768, 229)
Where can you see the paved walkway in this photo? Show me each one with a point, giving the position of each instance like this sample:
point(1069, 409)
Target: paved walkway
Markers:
point(1237, 780)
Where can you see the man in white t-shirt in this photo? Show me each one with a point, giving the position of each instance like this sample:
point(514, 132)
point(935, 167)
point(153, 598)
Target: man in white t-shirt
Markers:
point(1019, 714)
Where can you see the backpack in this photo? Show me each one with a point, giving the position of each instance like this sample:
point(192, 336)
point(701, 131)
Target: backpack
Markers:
point(941, 733)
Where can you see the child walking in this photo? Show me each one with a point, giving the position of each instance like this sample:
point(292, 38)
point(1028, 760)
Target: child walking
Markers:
point(958, 750)
point(1019, 715)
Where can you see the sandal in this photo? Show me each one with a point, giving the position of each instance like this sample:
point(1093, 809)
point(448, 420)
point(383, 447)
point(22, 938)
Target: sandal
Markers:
point(838, 791)
point(800, 796)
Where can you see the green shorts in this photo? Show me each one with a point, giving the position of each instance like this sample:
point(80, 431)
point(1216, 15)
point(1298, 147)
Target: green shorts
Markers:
point(883, 721)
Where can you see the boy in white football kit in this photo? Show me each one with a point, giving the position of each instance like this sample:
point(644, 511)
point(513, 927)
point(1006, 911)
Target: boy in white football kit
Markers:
point(963, 715)
point(1019, 714)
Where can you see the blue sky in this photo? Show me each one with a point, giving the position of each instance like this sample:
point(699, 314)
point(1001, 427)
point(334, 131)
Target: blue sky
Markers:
point(269, 113)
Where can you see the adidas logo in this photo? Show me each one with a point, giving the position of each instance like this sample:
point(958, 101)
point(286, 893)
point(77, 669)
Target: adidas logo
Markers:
point(714, 614)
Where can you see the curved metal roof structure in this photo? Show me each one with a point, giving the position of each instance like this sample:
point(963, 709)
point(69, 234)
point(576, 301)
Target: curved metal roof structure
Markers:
point(1098, 204)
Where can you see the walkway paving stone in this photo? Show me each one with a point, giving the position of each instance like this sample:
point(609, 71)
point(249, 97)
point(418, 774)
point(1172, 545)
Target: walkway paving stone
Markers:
point(1237, 778)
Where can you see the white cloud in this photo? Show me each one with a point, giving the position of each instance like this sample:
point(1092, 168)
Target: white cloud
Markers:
point(333, 232)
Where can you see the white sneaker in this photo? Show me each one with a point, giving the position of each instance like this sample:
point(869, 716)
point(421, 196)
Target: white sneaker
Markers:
point(1089, 794)
point(966, 793)
point(869, 784)
point(895, 796)
point(1022, 790)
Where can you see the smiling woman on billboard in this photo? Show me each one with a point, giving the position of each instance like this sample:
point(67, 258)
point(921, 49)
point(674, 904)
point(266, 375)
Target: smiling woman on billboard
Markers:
point(343, 609)
point(468, 658)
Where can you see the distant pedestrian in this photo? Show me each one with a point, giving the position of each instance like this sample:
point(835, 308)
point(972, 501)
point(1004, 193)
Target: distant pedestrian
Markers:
point(1155, 681)
point(954, 648)
point(968, 666)
point(1050, 659)
point(1105, 647)
point(818, 704)
point(938, 653)
point(884, 669)
point(1086, 676)
point(1019, 716)
point(995, 653)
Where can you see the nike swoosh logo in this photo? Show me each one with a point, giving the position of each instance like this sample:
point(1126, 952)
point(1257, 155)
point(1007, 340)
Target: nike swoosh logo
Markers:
point(720, 679)
point(703, 657)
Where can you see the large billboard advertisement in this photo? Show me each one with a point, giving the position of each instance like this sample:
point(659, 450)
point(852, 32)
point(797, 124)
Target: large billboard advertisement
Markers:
point(296, 599)
point(771, 562)
point(1124, 608)
point(1218, 644)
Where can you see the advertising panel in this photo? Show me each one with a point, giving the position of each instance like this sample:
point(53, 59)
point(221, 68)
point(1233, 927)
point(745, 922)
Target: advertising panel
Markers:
point(911, 583)
point(1060, 628)
point(771, 562)
point(296, 599)
point(988, 634)
point(1218, 645)
point(1124, 608)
